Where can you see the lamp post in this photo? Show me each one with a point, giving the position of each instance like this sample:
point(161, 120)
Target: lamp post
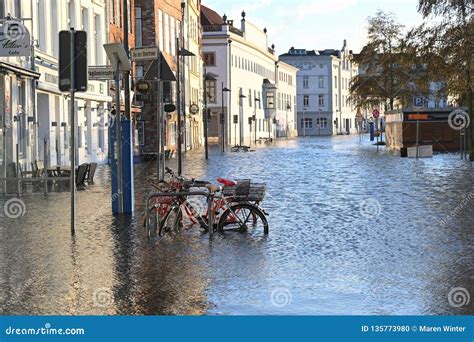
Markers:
point(241, 121)
point(255, 117)
point(224, 89)
point(180, 53)
point(288, 107)
point(319, 122)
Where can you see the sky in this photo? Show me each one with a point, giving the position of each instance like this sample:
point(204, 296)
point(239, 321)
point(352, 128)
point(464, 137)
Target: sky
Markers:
point(315, 24)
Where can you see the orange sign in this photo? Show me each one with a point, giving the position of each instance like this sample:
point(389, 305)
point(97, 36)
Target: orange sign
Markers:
point(418, 117)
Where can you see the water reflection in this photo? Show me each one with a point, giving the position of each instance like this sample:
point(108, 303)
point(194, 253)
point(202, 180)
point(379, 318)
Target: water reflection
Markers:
point(352, 231)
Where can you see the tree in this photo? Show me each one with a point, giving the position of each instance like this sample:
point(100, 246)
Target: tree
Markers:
point(388, 70)
point(447, 48)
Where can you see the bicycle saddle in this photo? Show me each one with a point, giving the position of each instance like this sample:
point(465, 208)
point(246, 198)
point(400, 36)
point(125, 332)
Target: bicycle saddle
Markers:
point(213, 188)
point(226, 182)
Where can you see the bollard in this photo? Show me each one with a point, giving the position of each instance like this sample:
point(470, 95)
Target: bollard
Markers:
point(210, 201)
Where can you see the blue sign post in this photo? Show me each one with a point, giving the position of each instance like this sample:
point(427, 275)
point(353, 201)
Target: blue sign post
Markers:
point(126, 165)
point(372, 131)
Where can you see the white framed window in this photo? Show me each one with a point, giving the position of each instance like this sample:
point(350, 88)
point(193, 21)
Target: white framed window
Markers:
point(321, 123)
point(173, 36)
point(321, 81)
point(306, 82)
point(167, 33)
point(306, 100)
point(321, 100)
point(160, 30)
point(307, 123)
point(138, 27)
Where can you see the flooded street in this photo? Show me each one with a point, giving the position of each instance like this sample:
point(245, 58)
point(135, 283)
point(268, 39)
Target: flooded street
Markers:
point(352, 231)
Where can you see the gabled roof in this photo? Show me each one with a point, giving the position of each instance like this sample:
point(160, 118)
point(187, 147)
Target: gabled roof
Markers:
point(210, 17)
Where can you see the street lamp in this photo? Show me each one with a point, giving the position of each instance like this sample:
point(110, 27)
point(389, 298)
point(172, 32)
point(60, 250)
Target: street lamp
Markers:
point(180, 53)
point(224, 89)
point(241, 121)
point(255, 116)
point(288, 107)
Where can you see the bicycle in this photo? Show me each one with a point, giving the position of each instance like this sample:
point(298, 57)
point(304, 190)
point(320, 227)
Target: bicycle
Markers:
point(230, 209)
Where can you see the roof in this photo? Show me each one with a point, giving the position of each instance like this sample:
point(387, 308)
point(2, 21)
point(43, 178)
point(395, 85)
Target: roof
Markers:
point(210, 17)
point(303, 52)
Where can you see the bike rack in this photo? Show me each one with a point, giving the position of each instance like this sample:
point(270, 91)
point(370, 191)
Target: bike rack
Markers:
point(209, 199)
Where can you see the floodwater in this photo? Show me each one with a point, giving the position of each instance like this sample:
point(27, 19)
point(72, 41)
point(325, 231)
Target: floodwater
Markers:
point(352, 231)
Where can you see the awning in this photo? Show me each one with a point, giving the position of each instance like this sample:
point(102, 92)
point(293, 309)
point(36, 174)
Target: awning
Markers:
point(19, 70)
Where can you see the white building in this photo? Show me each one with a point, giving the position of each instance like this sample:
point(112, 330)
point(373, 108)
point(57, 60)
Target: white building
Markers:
point(50, 17)
point(17, 84)
point(193, 75)
point(240, 60)
point(323, 84)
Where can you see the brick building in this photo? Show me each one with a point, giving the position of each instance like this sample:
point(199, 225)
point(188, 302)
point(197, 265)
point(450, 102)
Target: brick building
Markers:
point(158, 24)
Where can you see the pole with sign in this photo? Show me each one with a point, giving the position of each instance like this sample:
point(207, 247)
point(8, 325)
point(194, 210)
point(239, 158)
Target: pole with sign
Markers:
point(73, 78)
point(376, 115)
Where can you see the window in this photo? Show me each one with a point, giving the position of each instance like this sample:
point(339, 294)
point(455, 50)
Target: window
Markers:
point(98, 40)
point(138, 27)
point(211, 91)
point(271, 100)
point(160, 30)
point(209, 58)
point(250, 97)
point(173, 36)
point(336, 101)
point(129, 17)
point(305, 82)
point(335, 82)
point(173, 133)
point(2, 9)
point(321, 123)
point(306, 100)
point(112, 11)
point(119, 13)
point(321, 100)
point(167, 33)
point(321, 81)
point(307, 123)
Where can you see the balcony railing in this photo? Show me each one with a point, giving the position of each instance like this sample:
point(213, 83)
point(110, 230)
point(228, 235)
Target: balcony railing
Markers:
point(221, 28)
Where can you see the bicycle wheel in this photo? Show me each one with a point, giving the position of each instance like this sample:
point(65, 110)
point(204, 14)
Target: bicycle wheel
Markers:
point(243, 217)
point(171, 222)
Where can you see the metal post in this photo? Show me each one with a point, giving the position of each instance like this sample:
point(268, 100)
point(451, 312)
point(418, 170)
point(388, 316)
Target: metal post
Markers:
point(211, 219)
point(178, 104)
point(304, 123)
point(417, 137)
point(286, 133)
point(72, 151)
point(118, 136)
point(158, 119)
point(205, 118)
point(255, 119)
point(222, 118)
point(126, 83)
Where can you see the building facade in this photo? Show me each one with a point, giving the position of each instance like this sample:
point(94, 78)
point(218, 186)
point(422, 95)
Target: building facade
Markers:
point(18, 117)
point(323, 83)
point(193, 84)
point(159, 25)
point(241, 80)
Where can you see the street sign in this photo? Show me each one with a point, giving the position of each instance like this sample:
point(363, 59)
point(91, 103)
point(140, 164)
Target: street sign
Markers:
point(101, 73)
point(144, 53)
point(194, 109)
point(143, 86)
point(143, 98)
point(79, 60)
point(376, 113)
point(14, 39)
point(418, 102)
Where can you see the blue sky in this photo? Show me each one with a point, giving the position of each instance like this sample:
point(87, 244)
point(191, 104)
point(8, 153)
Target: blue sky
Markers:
point(316, 24)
